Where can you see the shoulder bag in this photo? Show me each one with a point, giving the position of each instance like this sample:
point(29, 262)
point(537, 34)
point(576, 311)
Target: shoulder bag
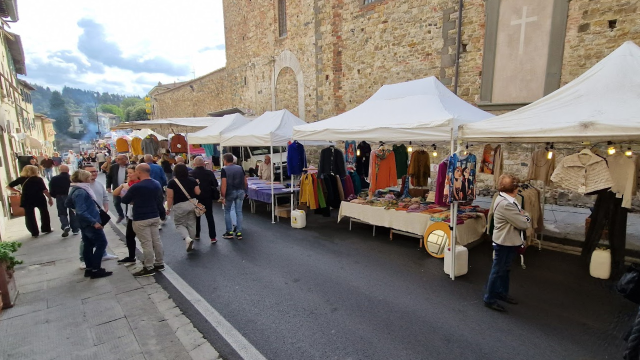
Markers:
point(104, 216)
point(197, 207)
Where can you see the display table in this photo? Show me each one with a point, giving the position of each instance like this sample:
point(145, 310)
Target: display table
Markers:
point(413, 223)
point(260, 190)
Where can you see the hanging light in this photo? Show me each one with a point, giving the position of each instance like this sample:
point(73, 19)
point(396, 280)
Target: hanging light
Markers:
point(435, 150)
point(611, 149)
point(550, 152)
point(410, 148)
point(466, 149)
point(358, 152)
point(628, 152)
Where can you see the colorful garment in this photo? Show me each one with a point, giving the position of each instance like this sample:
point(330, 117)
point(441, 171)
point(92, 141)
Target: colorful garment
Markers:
point(442, 187)
point(461, 178)
point(350, 153)
point(402, 160)
point(420, 168)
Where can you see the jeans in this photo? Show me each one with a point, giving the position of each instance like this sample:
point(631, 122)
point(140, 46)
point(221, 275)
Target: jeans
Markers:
point(66, 215)
point(149, 236)
point(32, 223)
point(48, 173)
point(498, 285)
point(233, 198)
point(208, 204)
point(117, 203)
point(95, 244)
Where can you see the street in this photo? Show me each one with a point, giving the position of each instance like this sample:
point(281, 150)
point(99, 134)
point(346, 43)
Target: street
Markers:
point(327, 292)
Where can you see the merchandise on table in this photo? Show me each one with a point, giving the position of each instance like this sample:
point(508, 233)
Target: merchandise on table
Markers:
point(420, 168)
point(461, 179)
point(584, 172)
point(402, 160)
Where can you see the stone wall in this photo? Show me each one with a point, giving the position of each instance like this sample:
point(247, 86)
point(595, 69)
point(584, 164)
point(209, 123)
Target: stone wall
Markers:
point(287, 91)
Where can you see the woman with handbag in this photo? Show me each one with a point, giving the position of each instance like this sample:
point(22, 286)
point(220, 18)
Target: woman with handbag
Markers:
point(130, 235)
point(34, 194)
point(91, 219)
point(181, 193)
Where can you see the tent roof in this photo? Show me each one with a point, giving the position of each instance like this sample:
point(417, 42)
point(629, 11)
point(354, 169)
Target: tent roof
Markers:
point(271, 128)
point(192, 124)
point(144, 132)
point(213, 133)
point(602, 104)
point(418, 110)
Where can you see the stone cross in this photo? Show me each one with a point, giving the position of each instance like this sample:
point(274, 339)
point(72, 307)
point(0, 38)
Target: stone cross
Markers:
point(523, 23)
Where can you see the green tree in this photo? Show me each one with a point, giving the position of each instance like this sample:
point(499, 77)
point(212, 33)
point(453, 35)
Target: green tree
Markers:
point(112, 109)
point(137, 113)
point(89, 114)
point(58, 111)
point(131, 102)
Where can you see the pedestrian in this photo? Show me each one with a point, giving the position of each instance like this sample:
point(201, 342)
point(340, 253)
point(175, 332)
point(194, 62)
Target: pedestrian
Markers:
point(117, 176)
point(208, 194)
point(47, 166)
point(34, 194)
point(147, 200)
point(130, 234)
point(157, 173)
point(100, 158)
point(57, 161)
point(103, 199)
point(232, 192)
point(180, 190)
point(106, 166)
point(510, 223)
point(92, 160)
point(59, 190)
point(166, 166)
point(264, 170)
point(34, 161)
point(83, 201)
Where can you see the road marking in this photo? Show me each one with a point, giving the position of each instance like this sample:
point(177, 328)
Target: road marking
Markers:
point(239, 343)
point(233, 336)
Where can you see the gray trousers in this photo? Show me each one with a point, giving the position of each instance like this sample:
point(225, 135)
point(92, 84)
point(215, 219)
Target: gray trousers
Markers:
point(185, 219)
point(149, 235)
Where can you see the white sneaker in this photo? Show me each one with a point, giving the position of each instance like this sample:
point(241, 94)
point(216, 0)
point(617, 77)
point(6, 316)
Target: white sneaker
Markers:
point(109, 257)
point(189, 243)
point(83, 266)
point(160, 227)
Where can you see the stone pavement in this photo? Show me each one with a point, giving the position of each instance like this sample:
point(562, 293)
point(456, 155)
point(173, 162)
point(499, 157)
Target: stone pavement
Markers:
point(60, 314)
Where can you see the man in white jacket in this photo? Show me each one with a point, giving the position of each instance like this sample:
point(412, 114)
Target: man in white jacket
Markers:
point(510, 222)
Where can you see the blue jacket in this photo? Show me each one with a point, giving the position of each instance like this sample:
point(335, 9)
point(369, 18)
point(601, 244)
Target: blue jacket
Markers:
point(85, 208)
point(296, 158)
point(147, 199)
point(157, 174)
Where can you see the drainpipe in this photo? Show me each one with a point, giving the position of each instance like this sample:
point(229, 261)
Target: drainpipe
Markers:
point(458, 47)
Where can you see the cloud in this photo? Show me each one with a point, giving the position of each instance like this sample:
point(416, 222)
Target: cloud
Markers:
point(94, 44)
point(210, 48)
point(82, 66)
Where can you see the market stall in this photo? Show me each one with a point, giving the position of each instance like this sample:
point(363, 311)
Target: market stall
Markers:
point(421, 111)
point(212, 134)
point(600, 106)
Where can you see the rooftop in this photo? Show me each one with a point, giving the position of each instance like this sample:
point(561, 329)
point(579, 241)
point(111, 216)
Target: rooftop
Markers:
point(9, 9)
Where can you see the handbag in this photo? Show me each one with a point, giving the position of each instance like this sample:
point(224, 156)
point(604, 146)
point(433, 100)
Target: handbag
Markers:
point(104, 216)
point(197, 207)
point(629, 284)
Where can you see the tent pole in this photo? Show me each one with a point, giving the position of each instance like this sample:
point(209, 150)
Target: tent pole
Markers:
point(454, 216)
point(273, 198)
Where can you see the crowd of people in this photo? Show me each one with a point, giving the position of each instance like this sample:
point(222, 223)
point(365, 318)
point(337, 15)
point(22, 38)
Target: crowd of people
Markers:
point(144, 194)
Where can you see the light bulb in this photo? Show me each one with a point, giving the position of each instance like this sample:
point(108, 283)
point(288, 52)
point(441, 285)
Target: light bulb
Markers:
point(410, 149)
point(358, 152)
point(628, 152)
point(549, 155)
point(435, 153)
point(612, 150)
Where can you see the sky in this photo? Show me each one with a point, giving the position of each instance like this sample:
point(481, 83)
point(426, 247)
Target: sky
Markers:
point(119, 46)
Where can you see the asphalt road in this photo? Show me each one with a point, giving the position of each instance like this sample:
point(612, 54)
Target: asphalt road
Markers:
point(325, 292)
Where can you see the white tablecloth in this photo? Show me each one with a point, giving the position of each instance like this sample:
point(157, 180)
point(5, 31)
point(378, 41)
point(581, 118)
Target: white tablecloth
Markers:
point(414, 223)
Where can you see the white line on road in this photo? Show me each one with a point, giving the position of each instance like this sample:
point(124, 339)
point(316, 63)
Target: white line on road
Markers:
point(241, 345)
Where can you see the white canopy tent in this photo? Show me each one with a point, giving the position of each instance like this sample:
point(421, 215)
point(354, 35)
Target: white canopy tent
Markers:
point(603, 104)
point(143, 133)
point(213, 133)
point(418, 110)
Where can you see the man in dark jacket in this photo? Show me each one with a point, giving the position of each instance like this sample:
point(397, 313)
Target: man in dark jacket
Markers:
point(208, 186)
point(59, 190)
point(117, 176)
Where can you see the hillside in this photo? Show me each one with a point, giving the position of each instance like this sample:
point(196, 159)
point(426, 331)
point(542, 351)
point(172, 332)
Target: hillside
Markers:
point(75, 99)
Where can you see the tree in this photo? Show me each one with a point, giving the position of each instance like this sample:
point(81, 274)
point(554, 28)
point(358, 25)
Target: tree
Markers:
point(58, 111)
point(112, 109)
point(89, 114)
point(131, 102)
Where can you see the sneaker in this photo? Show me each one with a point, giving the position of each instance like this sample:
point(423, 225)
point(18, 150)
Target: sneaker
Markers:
point(76, 232)
point(127, 260)
point(239, 235)
point(65, 232)
point(100, 273)
point(160, 227)
point(189, 243)
point(197, 238)
point(158, 267)
point(227, 235)
point(144, 272)
point(47, 232)
point(120, 218)
point(109, 257)
point(235, 228)
point(83, 266)
point(214, 240)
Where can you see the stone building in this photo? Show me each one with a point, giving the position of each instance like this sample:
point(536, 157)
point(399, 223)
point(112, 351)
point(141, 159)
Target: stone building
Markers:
point(319, 58)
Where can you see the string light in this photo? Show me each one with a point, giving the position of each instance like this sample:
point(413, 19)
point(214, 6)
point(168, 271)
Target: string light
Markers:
point(358, 152)
point(611, 149)
point(550, 153)
point(628, 152)
point(435, 150)
point(466, 149)
point(410, 148)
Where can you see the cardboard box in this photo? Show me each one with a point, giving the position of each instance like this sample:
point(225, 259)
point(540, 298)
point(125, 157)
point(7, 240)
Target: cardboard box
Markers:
point(283, 211)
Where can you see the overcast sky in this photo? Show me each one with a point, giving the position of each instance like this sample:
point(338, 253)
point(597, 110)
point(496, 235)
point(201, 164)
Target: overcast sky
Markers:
point(119, 46)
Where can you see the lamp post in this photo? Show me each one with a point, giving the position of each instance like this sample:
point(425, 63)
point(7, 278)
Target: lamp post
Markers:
point(97, 119)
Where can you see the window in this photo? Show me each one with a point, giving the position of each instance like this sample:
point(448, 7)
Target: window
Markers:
point(282, 18)
point(367, 2)
point(79, 121)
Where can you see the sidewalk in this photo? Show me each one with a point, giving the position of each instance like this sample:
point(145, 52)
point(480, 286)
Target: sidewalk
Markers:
point(60, 314)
